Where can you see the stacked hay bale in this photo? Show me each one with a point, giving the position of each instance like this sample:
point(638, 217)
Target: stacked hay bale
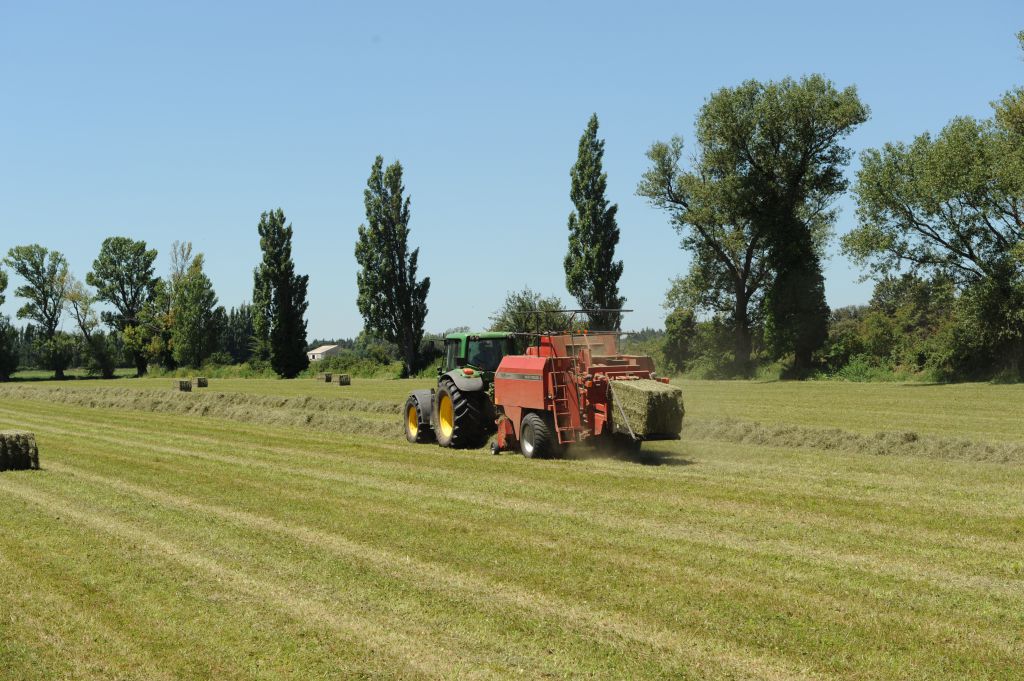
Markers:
point(185, 386)
point(202, 382)
point(650, 408)
point(18, 451)
point(344, 379)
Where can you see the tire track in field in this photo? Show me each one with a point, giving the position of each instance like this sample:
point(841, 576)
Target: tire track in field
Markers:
point(612, 628)
point(411, 653)
point(933, 575)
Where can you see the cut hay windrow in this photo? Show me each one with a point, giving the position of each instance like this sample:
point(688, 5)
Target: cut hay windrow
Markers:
point(18, 450)
point(344, 415)
point(647, 407)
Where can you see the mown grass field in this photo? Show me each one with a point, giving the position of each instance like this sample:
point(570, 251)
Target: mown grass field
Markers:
point(192, 536)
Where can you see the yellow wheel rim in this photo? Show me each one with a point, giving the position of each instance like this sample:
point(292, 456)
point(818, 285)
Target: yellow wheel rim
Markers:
point(446, 416)
point(411, 422)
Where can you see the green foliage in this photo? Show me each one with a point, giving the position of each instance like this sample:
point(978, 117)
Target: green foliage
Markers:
point(755, 208)
point(3, 286)
point(949, 207)
point(526, 311)
point(391, 300)
point(680, 330)
point(57, 352)
point(46, 278)
point(591, 271)
point(279, 300)
point(238, 333)
point(123, 276)
point(8, 348)
point(45, 274)
point(193, 329)
point(99, 347)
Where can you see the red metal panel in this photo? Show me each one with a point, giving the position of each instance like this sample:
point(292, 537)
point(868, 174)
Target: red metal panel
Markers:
point(519, 381)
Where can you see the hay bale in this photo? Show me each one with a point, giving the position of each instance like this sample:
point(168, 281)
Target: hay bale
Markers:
point(185, 386)
point(202, 382)
point(327, 378)
point(344, 379)
point(652, 408)
point(18, 451)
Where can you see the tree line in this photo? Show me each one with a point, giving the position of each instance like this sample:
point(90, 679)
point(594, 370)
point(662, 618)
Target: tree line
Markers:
point(940, 229)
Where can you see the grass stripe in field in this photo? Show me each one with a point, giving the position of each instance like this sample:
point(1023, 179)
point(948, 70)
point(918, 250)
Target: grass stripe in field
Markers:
point(411, 653)
point(824, 503)
point(717, 550)
point(941, 578)
point(612, 627)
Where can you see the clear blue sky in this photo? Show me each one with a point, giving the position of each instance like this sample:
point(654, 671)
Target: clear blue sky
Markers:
point(183, 120)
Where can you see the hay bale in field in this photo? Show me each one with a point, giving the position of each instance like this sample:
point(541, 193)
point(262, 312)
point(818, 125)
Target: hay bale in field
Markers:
point(202, 382)
point(327, 378)
point(18, 450)
point(651, 408)
point(344, 379)
point(185, 386)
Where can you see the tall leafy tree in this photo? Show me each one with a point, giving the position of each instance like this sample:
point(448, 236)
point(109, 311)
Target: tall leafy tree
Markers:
point(46, 278)
point(951, 206)
point(591, 271)
point(755, 208)
point(527, 311)
point(392, 301)
point(193, 331)
point(123, 276)
point(279, 295)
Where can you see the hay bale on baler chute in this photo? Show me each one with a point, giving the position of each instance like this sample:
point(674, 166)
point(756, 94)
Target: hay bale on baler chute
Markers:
point(18, 450)
point(650, 408)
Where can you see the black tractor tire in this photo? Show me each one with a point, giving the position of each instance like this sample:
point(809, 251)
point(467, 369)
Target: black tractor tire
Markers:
point(465, 425)
point(537, 439)
point(416, 431)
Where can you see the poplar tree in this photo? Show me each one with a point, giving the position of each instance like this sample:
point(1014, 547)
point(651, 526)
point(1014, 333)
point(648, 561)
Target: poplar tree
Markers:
point(193, 332)
point(279, 299)
point(391, 300)
point(591, 271)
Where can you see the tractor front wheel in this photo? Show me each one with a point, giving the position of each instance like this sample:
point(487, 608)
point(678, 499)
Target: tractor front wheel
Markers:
point(416, 431)
point(460, 417)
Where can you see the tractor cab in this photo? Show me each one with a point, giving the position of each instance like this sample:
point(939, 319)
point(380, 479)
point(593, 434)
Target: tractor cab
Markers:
point(476, 354)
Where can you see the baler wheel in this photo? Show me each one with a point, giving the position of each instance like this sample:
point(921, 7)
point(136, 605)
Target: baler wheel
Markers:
point(460, 417)
point(537, 439)
point(415, 430)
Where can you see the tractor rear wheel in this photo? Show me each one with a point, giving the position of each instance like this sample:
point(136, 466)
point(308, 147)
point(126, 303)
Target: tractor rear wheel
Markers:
point(416, 431)
point(460, 417)
point(536, 437)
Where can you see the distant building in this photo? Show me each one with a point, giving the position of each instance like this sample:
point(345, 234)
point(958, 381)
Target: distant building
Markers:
point(323, 351)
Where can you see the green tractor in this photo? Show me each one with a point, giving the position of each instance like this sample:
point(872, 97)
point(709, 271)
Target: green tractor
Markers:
point(460, 411)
